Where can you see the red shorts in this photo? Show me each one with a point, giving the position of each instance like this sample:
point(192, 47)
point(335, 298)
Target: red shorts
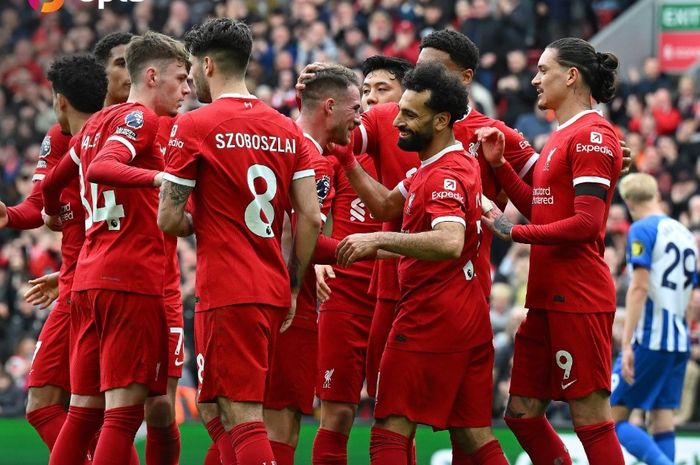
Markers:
point(176, 339)
point(118, 338)
point(293, 371)
point(453, 390)
point(342, 354)
point(561, 355)
point(234, 350)
point(51, 355)
point(383, 318)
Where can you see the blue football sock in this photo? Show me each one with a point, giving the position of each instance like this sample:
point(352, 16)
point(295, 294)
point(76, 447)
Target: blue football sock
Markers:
point(667, 443)
point(639, 443)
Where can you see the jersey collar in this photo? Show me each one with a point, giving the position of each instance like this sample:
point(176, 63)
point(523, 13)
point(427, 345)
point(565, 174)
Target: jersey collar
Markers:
point(318, 146)
point(235, 95)
point(576, 117)
point(451, 148)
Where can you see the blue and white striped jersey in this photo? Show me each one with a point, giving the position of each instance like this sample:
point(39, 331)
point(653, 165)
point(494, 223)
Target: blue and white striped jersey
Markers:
point(668, 250)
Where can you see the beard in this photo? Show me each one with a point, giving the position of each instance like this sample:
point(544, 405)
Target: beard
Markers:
point(416, 142)
point(201, 87)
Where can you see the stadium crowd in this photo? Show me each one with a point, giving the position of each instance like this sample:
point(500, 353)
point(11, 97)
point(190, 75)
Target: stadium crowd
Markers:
point(657, 115)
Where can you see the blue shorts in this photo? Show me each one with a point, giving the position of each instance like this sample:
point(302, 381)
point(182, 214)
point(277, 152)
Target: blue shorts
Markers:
point(658, 380)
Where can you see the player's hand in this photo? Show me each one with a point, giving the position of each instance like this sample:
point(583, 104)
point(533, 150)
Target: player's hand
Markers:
point(290, 314)
point(53, 222)
point(626, 158)
point(307, 73)
point(323, 272)
point(344, 153)
point(497, 222)
point(628, 365)
point(158, 179)
point(3, 215)
point(355, 247)
point(44, 291)
point(493, 144)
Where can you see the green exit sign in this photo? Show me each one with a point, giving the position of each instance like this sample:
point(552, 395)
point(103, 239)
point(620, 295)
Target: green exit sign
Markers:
point(680, 16)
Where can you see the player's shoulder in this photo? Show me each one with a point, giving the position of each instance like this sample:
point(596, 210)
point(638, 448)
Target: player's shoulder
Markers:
point(132, 117)
point(382, 111)
point(647, 226)
point(54, 141)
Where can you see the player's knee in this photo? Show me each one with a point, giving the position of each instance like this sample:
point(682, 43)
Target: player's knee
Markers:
point(40, 397)
point(337, 417)
point(471, 439)
point(159, 411)
point(525, 407)
point(592, 409)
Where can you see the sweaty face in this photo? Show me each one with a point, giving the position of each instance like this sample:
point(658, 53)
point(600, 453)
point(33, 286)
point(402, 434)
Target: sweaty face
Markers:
point(414, 121)
point(201, 85)
point(550, 81)
point(118, 82)
point(171, 87)
point(380, 86)
point(346, 116)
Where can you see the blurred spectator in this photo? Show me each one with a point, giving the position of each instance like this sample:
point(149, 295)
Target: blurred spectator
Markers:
point(517, 94)
point(406, 45)
point(11, 397)
point(501, 302)
point(667, 117)
point(651, 78)
point(481, 26)
point(536, 126)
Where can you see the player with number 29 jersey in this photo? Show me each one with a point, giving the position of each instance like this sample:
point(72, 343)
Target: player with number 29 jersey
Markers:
point(243, 168)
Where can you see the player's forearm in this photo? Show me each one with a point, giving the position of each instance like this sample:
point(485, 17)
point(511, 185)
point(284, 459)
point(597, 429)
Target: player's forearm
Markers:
point(111, 172)
point(308, 225)
point(584, 226)
point(634, 303)
point(373, 193)
point(27, 215)
point(172, 218)
point(519, 192)
point(429, 245)
point(54, 183)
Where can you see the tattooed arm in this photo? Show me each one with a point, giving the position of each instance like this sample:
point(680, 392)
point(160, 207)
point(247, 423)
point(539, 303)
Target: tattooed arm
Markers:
point(172, 217)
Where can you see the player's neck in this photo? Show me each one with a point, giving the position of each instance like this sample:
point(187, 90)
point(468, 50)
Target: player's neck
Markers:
point(574, 104)
point(314, 127)
point(643, 210)
point(219, 87)
point(147, 99)
point(440, 142)
point(110, 100)
point(76, 121)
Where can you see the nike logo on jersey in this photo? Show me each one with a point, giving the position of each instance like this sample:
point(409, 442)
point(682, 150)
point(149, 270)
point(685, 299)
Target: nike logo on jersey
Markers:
point(564, 386)
point(179, 363)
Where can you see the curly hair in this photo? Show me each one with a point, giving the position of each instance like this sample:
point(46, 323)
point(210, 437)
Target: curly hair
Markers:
point(81, 79)
point(447, 94)
point(228, 41)
point(460, 47)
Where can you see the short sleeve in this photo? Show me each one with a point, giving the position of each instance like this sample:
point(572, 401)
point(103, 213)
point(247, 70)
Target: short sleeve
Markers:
point(303, 167)
point(53, 147)
point(182, 153)
point(133, 129)
point(595, 154)
point(325, 189)
point(446, 198)
point(640, 244)
point(518, 151)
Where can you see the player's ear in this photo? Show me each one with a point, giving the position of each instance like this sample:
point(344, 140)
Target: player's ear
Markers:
point(441, 121)
point(467, 76)
point(329, 105)
point(572, 76)
point(151, 76)
point(209, 66)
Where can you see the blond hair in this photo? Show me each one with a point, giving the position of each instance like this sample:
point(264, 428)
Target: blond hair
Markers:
point(638, 188)
point(152, 49)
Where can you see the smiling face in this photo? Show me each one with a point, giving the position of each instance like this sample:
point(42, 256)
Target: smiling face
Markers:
point(414, 121)
point(552, 81)
point(345, 116)
point(171, 87)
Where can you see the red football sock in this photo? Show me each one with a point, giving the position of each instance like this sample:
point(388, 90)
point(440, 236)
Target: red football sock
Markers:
point(47, 421)
point(387, 447)
point(284, 453)
point(330, 448)
point(71, 446)
point(601, 443)
point(411, 450)
point(163, 445)
point(459, 457)
point(489, 454)
point(212, 457)
point(222, 447)
point(539, 440)
point(251, 444)
point(134, 460)
point(117, 436)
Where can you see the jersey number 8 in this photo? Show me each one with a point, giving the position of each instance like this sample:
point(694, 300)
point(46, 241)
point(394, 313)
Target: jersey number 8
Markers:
point(259, 214)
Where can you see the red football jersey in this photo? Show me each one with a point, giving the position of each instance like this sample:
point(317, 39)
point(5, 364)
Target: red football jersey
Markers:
point(573, 277)
point(242, 156)
point(517, 152)
point(378, 138)
point(123, 248)
point(350, 216)
point(442, 306)
point(171, 290)
point(306, 315)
